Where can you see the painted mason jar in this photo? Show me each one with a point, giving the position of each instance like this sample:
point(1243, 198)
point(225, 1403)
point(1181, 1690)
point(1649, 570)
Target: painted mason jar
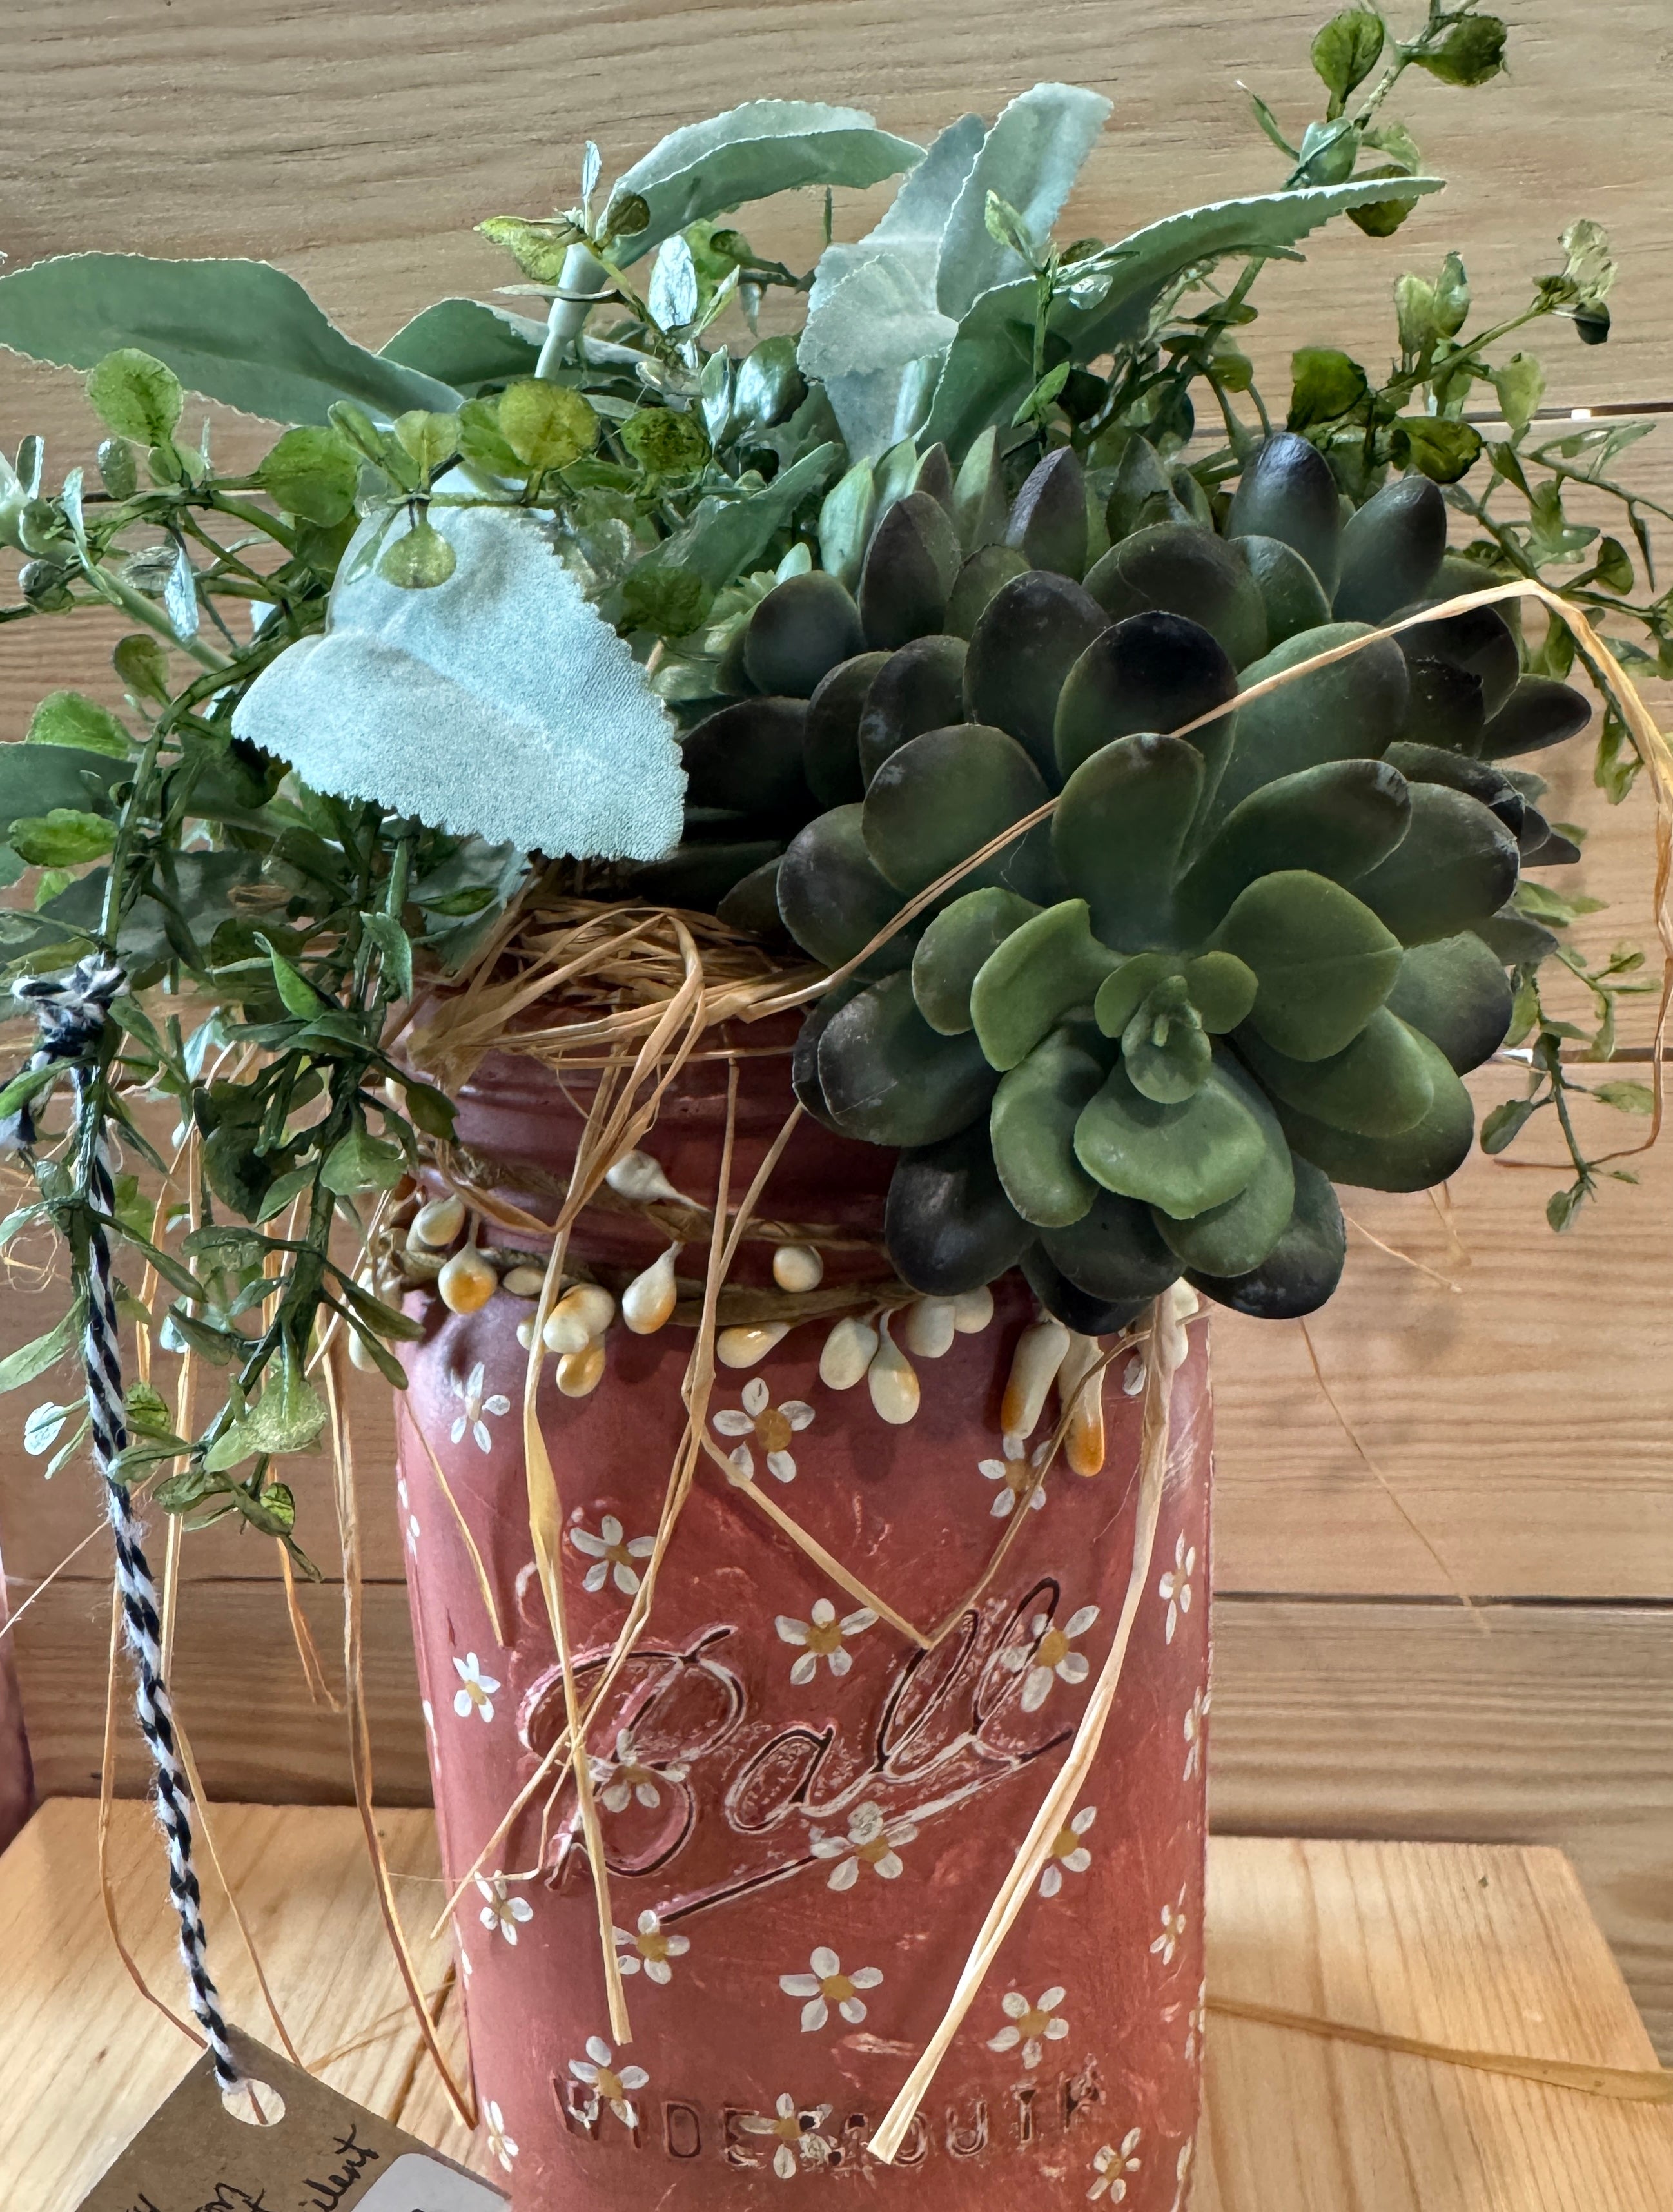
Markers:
point(806, 1812)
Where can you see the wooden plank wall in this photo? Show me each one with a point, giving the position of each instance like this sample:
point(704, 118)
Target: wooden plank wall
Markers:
point(1516, 1400)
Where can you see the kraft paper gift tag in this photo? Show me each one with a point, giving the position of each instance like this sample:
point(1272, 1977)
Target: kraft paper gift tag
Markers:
point(327, 2155)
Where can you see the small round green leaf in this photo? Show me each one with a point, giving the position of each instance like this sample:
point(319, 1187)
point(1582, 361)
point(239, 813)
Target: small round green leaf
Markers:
point(138, 396)
point(419, 559)
point(312, 473)
point(547, 426)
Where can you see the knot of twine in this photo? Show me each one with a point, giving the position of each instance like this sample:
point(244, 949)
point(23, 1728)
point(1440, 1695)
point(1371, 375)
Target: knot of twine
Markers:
point(71, 1012)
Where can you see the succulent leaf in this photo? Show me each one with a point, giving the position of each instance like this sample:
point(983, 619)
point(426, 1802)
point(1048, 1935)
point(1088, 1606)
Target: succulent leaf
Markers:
point(1323, 960)
point(948, 1225)
point(1454, 866)
point(1460, 772)
point(1287, 491)
point(1068, 1302)
point(952, 950)
point(1445, 709)
point(1351, 709)
point(1478, 643)
point(1031, 634)
point(801, 630)
point(919, 688)
point(979, 512)
point(1141, 493)
point(1047, 522)
point(1538, 713)
point(1181, 569)
point(1380, 1085)
point(886, 1076)
point(1293, 597)
point(804, 1055)
point(1114, 1252)
point(1042, 967)
point(831, 733)
point(987, 572)
point(1119, 830)
point(910, 565)
point(832, 898)
point(1031, 1128)
point(1232, 1238)
point(944, 795)
point(1431, 1150)
point(1457, 992)
point(1153, 671)
point(1391, 548)
point(1338, 820)
point(1164, 1047)
point(1303, 1268)
point(1184, 1158)
point(747, 758)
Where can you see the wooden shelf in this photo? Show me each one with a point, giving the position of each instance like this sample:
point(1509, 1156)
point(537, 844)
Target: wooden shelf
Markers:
point(1475, 1947)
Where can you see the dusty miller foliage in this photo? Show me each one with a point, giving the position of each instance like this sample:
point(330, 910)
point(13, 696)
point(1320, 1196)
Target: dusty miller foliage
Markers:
point(680, 464)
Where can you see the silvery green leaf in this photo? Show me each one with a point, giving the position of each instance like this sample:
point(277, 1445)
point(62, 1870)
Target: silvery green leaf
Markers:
point(499, 703)
point(31, 461)
point(41, 1431)
point(726, 540)
point(463, 344)
point(591, 162)
point(715, 387)
point(179, 596)
point(766, 146)
point(1267, 223)
point(1030, 159)
point(240, 332)
point(149, 568)
point(672, 295)
point(865, 388)
point(70, 500)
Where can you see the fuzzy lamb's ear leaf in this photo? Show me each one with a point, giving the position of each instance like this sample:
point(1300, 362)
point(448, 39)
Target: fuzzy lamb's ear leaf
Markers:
point(1184, 1158)
point(1287, 491)
point(1431, 1150)
point(499, 703)
point(1039, 970)
point(1324, 962)
point(465, 344)
point(871, 390)
point(1454, 866)
point(952, 951)
point(1032, 1126)
point(887, 1076)
point(240, 331)
point(1031, 158)
point(1303, 1268)
point(1459, 994)
point(749, 153)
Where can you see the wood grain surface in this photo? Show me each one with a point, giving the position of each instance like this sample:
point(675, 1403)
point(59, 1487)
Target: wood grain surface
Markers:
point(1520, 1421)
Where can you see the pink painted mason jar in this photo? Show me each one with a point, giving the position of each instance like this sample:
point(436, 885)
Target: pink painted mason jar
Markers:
point(806, 1816)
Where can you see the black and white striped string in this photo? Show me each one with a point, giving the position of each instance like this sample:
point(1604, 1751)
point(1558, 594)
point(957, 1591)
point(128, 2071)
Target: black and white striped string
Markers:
point(72, 1012)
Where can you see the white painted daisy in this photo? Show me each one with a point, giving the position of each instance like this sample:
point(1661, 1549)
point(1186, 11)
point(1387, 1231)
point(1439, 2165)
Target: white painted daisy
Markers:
point(627, 1777)
point(650, 1946)
point(798, 2133)
point(475, 1410)
point(1113, 2163)
point(613, 1554)
point(770, 1427)
point(476, 1690)
point(610, 2084)
point(1017, 1478)
point(821, 1638)
point(829, 1985)
point(871, 1841)
point(1034, 2026)
point(1174, 1924)
point(502, 1912)
point(500, 2145)
point(1068, 1854)
point(1175, 1583)
point(1048, 1658)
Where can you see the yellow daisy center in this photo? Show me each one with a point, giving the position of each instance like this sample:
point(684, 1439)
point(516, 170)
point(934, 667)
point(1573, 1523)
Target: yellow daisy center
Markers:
point(772, 1431)
point(1054, 1646)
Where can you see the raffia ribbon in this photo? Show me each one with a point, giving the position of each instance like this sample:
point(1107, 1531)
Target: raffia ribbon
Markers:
point(1648, 2085)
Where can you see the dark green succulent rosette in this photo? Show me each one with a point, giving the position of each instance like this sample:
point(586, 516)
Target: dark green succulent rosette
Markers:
point(1247, 955)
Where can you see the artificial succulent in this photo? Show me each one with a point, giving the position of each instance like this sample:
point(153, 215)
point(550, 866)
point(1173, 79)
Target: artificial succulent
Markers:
point(1247, 956)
